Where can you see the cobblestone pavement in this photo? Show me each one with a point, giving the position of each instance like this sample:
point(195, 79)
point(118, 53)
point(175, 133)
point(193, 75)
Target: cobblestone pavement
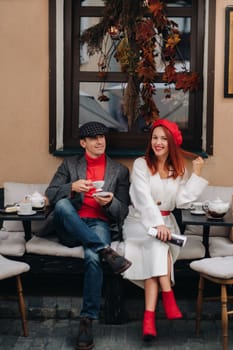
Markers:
point(53, 321)
point(53, 325)
point(54, 334)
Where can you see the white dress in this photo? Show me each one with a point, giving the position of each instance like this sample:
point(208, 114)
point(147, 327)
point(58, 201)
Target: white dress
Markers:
point(150, 194)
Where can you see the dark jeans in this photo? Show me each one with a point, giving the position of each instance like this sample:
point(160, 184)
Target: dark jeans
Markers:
point(93, 235)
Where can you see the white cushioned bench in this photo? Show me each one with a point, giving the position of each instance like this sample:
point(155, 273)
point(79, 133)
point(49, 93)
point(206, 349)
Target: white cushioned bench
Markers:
point(39, 250)
point(51, 246)
point(12, 235)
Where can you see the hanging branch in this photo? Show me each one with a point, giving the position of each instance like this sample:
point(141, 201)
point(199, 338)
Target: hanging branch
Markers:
point(144, 32)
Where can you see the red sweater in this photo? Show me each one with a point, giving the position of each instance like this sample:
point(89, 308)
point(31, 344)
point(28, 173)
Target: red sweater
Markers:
point(95, 172)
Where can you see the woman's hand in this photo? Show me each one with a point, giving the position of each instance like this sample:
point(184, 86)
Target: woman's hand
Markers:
point(198, 165)
point(163, 233)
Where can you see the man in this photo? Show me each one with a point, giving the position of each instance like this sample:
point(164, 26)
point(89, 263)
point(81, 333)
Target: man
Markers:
point(83, 217)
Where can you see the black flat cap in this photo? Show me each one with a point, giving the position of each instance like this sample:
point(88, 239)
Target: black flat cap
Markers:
point(92, 129)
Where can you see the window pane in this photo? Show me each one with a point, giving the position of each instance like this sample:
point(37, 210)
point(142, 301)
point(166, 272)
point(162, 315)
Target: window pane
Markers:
point(92, 3)
point(183, 48)
point(175, 108)
point(179, 3)
point(108, 112)
point(100, 61)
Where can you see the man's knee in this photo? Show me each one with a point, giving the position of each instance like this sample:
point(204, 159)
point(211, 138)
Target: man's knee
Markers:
point(62, 205)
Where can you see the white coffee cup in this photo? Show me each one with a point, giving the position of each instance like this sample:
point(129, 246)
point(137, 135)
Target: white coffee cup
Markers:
point(25, 207)
point(98, 184)
point(197, 206)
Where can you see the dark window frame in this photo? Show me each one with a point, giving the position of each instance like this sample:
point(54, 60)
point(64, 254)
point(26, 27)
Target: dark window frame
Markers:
point(71, 96)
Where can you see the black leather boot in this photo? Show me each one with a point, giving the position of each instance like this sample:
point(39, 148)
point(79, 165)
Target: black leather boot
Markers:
point(117, 262)
point(85, 336)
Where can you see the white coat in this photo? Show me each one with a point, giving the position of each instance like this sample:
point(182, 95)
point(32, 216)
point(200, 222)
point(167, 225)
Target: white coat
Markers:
point(149, 195)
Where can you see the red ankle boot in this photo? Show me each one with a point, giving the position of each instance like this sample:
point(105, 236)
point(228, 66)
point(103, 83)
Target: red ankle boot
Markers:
point(149, 331)
point(169, 303)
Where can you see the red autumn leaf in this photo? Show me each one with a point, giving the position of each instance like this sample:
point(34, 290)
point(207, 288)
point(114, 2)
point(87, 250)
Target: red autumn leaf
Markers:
point(148, 57)
point(169, 74)
point(155, 6)
point(169, 52)
point(146, 73)
point(187, 81)
point(144, 31)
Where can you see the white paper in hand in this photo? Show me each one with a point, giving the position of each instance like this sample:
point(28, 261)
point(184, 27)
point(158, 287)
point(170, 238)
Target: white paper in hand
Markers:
point(176, 239)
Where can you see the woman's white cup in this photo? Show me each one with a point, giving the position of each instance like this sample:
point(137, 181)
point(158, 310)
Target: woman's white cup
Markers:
point(197, 206)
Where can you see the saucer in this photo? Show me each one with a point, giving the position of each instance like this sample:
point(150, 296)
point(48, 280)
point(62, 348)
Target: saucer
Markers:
point(197, 212)
point(101, 194)
point(31, 213)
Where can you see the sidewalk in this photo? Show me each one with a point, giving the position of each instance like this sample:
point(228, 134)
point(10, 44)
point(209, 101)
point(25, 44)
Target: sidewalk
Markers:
point(61, 334)
point(53, 320)
point(53, 325)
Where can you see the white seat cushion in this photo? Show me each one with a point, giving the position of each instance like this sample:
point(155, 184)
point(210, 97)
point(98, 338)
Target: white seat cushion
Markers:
point(219, 267)
point(10, 268)
point(193, 249)
point(51, 246)
point(12, 243)
point(220, 246)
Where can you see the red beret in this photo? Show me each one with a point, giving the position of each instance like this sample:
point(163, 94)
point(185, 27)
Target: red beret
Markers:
point(172, 127)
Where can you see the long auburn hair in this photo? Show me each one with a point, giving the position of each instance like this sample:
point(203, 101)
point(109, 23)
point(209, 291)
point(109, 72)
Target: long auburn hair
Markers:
point(175, 162)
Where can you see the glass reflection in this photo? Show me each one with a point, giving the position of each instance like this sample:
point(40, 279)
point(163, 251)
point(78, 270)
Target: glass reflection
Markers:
point(92, 3)
point(111, 113)
point(179, 3)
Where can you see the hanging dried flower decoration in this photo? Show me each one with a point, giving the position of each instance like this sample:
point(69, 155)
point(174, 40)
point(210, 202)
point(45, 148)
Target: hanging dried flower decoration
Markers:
point(138, 32)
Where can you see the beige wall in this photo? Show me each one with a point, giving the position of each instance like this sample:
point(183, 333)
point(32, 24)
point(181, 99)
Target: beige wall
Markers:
point(24, 117)
point(24, 155)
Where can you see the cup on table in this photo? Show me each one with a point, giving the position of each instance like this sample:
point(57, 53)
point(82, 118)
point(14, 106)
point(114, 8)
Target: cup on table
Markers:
point(196, 206)
point(25, 207)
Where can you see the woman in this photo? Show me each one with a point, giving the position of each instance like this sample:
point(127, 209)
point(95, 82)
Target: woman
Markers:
point(159, 183)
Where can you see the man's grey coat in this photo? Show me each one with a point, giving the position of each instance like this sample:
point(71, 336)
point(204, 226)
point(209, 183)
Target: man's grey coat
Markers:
point(116, 181)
